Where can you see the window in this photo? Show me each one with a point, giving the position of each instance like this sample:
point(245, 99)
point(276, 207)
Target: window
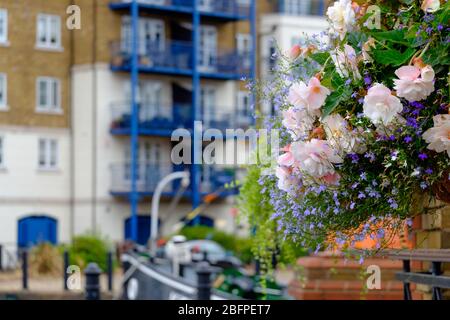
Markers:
point(3, 91)
point(2, 153)
point(151, 35)
point(48, 154)
point(244, 104)
point(48, 35)
point(296, 7)
point(48, 95)
point(3, 26)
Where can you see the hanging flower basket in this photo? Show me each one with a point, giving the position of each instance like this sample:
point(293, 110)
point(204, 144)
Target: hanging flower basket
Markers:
point(363, 115)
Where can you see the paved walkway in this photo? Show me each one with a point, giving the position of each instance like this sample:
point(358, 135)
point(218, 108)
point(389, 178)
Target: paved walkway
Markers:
point(11, 283)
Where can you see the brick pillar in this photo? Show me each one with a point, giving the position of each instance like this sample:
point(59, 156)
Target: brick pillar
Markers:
point(433, 232)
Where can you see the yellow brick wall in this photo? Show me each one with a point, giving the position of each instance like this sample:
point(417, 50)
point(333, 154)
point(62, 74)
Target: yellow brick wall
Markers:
point(23, 63)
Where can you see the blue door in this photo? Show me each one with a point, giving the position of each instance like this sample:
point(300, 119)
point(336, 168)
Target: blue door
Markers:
point(144, 223)
point(33, 230)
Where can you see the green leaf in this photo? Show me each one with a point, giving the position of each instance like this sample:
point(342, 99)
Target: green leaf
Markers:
point(394, 36)
point(334, 99)
point(393, 57)
point(437, 56)
point(320, 57)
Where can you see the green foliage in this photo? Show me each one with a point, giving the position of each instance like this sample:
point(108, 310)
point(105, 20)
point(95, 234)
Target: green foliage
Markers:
point(89, 248)
point(267, 240)
point(240, 247)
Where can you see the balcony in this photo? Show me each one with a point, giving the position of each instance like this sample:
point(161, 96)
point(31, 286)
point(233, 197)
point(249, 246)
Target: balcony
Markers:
point(175, 58)
point(154, 120)
point(157, 120)
point(302, 7)
point(214, 179)
point(227, 10)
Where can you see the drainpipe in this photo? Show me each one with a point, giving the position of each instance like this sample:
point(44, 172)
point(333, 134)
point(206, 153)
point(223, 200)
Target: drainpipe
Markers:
point(195, 167)
point(94, 117)
point(72, 138)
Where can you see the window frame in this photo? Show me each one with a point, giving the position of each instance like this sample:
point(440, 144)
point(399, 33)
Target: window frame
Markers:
point(2, 152)
point(47, 45)
point(4, 36)
point(50, 95)
point(4, 89)
point(50, 155)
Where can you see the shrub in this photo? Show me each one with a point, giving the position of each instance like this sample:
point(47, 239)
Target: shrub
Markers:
point(45, 259)
point(89, 248)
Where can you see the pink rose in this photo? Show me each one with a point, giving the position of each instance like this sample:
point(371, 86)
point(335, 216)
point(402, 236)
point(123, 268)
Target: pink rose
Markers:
point(438, 137)
point(430, 6)
point(311, 97)
point(414, 83)
point(315, 157)
point(380, 106)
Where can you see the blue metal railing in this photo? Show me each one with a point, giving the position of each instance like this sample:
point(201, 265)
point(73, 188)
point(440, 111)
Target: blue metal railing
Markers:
point(173, 54)
point(302, 7)
point(176, 56)
point(151, 116)
point(171, 117)
point(222, 120)
point(214, 178)
point(230, 7)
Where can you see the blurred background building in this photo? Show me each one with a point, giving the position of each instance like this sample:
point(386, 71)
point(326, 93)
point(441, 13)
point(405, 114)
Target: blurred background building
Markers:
point(86, 115)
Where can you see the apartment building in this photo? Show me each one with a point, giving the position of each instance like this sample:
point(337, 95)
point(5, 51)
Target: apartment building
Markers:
point(35, 117)
point(86, 116)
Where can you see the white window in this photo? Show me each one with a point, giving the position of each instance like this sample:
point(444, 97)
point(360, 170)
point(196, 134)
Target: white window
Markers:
point(244, 48)
point(151, 35)
point(48, 95)
point(244, 103)
point(48, 154)
point(208, 48)
point(2, 152)
point(297, 7)
point(3, 91)
point(48, 34)
point(244, 42)
point(3, 26)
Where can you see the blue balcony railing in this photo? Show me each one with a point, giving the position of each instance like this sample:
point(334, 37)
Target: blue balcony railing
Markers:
point(171, 117)
point(151, 116)
point(223, 120)
point(175, 57)
point(214, 178)
point(302, 7)
point(232, 8)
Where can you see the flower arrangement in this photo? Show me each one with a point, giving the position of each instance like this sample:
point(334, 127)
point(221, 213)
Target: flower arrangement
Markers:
point(365, 123)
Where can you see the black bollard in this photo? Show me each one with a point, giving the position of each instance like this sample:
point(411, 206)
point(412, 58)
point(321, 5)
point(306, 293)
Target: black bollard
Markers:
point(65, 267)
point(110, 271)
point(92, 286)
point(25, 269)
point(204, 272)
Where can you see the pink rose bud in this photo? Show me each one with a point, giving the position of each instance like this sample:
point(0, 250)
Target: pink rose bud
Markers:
point(295, 52)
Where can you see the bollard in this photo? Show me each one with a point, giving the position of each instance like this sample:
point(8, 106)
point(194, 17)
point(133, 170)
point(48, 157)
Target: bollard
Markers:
point(65, 267)
point(92, 286)
point(25, 269)
point(1, 257)
point(181, 268)
point(110, 271)
point(204, 272)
